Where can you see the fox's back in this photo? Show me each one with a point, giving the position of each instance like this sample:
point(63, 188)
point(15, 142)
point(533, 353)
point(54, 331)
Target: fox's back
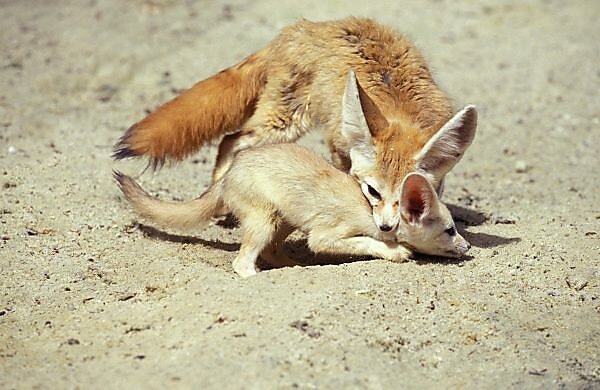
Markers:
point(301, 186)
point(311, 60)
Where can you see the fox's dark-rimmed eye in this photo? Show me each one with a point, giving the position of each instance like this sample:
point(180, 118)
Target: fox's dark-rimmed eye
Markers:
point(451, 231)
point(373, 192)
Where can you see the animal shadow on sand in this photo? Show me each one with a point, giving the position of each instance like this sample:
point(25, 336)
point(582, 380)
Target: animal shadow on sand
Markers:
point(152, 232)
point(464, 217)
point(297, 249)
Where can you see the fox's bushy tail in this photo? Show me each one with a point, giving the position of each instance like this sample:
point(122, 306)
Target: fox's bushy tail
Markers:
point(184, 215)
point(212, 107)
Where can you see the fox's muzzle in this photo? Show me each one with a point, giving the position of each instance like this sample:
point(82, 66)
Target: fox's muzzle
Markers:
point(462, 246)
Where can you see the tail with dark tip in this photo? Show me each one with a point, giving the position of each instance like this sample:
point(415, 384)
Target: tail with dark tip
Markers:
point(196, 213)
point(209, 109)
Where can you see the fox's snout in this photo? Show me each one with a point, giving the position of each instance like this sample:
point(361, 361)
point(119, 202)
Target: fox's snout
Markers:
point(386, 220)
point(385, 227)
point(461, 246)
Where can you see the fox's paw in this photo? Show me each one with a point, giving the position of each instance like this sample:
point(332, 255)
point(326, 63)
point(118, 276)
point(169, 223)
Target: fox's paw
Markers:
point(396, 253)
point(244, 268)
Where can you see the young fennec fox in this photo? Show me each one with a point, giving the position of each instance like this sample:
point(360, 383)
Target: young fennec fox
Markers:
point(400, 121)
point(275, 189)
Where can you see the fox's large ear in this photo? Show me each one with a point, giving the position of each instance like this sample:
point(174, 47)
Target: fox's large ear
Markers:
point(418, 197)
point(354, 125)
point(448, 145)
point(375, 119)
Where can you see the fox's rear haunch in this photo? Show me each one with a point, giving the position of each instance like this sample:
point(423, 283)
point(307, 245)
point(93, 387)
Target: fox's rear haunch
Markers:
point(184, 215)
point(209, 109)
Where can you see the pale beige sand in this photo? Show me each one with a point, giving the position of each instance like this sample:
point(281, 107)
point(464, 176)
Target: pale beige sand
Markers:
point(89, 299)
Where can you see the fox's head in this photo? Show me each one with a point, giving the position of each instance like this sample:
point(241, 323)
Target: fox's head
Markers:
point(383, 152)
point(426, 223)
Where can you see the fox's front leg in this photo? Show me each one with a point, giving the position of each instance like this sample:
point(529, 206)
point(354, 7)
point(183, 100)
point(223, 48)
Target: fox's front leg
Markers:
point(326, 242)
point(258, 234)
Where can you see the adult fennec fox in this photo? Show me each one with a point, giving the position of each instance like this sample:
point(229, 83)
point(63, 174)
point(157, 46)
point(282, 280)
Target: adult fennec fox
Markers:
point(402, 121)
point(275, 189)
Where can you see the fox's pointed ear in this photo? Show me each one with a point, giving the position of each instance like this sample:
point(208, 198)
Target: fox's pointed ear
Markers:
point(354, 127)
point(354, 123)
point(418, 197)
point(360, 115)
point(448, 145)
point(375, 119)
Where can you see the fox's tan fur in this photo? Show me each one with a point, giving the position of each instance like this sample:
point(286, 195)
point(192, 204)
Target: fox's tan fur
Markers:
point(275, 189)
point(296, 84)
point(210, 108)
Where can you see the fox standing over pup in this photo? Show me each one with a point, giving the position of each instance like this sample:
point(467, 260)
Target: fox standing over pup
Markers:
point(398, 122)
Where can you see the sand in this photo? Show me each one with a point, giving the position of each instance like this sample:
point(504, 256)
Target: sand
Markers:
point(93, 297)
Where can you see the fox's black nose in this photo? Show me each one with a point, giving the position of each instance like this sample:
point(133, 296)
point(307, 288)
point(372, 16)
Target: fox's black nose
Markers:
point(385, 227)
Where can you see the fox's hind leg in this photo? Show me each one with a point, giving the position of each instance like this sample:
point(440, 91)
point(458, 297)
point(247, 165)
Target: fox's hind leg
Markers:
point(339, 159)
point(276, 120)
point(229, 147)
point(249, 137)
point(258, 227)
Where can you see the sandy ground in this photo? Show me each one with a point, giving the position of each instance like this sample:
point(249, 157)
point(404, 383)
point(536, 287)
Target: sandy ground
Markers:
point(90, 298)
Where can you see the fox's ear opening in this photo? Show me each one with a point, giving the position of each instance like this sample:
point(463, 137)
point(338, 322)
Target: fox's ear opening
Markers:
point(418, 197)
point(448, 145)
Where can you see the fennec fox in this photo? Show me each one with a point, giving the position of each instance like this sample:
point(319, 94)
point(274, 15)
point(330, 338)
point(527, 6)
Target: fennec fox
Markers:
point(275, 189)
point(365, 84)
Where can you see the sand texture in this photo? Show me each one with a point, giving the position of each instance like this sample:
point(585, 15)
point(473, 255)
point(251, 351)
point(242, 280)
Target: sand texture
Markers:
point(91, 296)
